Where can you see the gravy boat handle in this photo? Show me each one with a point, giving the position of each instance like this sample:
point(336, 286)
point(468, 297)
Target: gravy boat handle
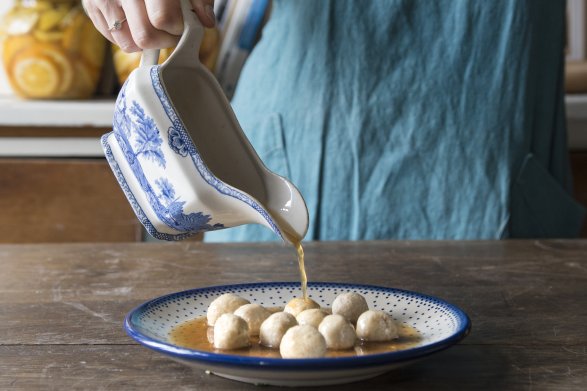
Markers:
point(191, 39)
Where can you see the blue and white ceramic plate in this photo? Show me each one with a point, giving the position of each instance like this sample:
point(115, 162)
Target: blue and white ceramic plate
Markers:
point(438, 323)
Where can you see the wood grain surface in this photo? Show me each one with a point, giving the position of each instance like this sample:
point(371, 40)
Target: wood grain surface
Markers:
point(62, 307)
point(63, 200)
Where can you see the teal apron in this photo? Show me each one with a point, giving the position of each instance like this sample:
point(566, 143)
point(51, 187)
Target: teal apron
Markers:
point(414, 119)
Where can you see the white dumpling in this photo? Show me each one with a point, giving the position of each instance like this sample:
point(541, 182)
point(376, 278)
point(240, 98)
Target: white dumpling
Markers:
point(254, 315)
point(302, 342)
point(224, 304)
point(350, 305)
point(231, 332)
point(299, 304)
point(376, 326)
point(274, 327)
point(312, 317)
point(338, 332)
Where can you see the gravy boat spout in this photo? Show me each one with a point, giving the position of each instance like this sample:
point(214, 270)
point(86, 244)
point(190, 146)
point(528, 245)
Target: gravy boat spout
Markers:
point(181, 157)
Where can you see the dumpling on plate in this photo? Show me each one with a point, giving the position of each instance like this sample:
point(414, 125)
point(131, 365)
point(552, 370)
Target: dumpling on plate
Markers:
point(338, 332)
point(254, 315)
point(376, 326)
point(313, 317)
point(302, 342)
point(299, 304)
point(274, 327)
point(224, 304)
point(231, 332)
point(350, 305)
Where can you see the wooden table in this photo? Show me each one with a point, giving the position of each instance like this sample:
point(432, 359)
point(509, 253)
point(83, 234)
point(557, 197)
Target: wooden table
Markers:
point(62, 306)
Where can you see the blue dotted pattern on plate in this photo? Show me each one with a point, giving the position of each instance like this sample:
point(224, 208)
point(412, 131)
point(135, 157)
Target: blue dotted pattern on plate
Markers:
point(434, 319)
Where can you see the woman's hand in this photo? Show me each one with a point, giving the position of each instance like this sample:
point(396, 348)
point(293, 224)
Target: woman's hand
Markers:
point(147, 24)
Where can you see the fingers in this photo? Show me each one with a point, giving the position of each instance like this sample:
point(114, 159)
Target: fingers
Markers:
point(148, 24)
point(143, 33)
point(122, 36)
point(205, 11)
point(165, 17)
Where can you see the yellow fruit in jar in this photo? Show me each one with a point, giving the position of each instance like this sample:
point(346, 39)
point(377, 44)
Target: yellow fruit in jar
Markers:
point(84, 81)
point(14, 44)
point(52, 50)
point(210, 48)
point(94, 46)
point(73, 24)
point(64, 64)
point(124, 63)
point(50, 18)
point(164, 54)
point(209, 41)
point(20, 21)
point(34, 75)
point(42, 5)
point(70, 16)
point(48, 36)
point(60, 64)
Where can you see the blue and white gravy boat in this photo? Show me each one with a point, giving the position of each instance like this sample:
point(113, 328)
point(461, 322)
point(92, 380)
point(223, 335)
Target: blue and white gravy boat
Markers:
point(181, 157)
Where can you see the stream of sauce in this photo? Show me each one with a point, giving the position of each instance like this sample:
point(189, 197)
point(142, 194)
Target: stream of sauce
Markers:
point(303, 276)
point(196, 334)
point(289, 234)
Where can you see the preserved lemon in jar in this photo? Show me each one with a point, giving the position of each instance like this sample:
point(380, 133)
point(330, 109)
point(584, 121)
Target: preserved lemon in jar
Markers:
point(51, 50)
point(125, 63)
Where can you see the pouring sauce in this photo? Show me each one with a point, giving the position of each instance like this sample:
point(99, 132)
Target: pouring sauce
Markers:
point(302, 267)
point(290, 235)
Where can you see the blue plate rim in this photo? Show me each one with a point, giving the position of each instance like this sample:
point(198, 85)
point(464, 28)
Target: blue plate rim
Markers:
point(313, 364)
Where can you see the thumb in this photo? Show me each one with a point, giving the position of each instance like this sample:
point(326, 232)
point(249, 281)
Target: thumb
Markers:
point(205, 11)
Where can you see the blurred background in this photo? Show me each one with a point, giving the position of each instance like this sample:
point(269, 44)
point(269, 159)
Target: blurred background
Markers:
point(58, 81)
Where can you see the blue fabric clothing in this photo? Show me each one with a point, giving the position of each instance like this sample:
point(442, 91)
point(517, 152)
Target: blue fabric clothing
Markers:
point(413, 119)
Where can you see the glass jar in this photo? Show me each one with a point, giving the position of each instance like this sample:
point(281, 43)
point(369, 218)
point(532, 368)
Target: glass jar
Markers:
point(51, 50)
point(125, 63)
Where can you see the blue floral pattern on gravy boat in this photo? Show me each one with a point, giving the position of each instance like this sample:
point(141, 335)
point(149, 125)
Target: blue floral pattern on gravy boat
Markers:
point(167, 206)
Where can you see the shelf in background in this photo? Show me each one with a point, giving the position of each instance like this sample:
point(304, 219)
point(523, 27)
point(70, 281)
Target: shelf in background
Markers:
point(50, 147)
point(53, 128)
point(56, 113)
